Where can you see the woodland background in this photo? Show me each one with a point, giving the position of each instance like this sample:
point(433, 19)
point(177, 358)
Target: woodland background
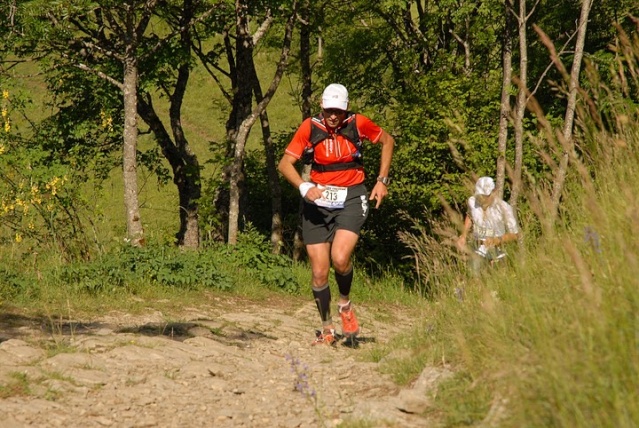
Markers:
point(162, 121)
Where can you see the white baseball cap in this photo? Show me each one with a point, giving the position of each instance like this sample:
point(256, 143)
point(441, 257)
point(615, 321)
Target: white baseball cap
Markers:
point(484, 186)
point(335, 96)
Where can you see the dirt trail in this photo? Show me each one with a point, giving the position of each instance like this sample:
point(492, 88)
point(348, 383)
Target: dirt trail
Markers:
point(220, 366)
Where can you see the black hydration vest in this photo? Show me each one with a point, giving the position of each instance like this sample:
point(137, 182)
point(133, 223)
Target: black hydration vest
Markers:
point(319, 134)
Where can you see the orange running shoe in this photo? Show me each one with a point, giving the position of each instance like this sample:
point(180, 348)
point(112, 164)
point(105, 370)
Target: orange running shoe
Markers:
point(350, 326)
point(325, 337)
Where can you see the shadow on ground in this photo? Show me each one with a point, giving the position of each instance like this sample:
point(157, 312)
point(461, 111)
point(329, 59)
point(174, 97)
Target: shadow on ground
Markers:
point(16, 326)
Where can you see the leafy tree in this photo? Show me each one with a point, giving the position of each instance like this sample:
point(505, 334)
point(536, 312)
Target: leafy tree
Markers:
point(73, 34)
point(572, 80)
point(232, 59)
point(244, 47)
point(109, 40)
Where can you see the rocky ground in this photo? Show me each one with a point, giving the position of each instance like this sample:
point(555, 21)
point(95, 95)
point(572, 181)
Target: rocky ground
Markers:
point(220, 365)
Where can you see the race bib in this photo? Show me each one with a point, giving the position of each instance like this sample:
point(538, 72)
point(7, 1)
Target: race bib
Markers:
point(333, 197)
point(484, 232)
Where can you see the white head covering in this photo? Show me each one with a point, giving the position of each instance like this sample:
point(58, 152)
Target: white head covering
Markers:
point(484, 186)
point(335, 96)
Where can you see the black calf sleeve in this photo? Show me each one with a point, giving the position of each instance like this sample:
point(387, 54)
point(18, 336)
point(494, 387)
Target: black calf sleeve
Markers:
point(322, 296)
point(344, 282)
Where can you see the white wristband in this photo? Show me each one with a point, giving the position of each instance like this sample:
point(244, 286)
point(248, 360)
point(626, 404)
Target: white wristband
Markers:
point(305, 187)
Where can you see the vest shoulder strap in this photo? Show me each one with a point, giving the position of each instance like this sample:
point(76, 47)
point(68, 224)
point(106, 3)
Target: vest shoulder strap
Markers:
point(319, 132)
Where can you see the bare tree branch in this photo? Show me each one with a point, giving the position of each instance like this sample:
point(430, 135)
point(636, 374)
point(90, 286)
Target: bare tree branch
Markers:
point(261, 31)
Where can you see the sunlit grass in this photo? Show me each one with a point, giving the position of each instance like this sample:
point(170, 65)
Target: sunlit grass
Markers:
point(555, 332)
point(551, 338)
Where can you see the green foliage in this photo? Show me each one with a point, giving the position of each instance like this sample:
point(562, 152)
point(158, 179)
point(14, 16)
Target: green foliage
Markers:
point(210, 219)
point(258, 192)
point(252, 253)
point(127, 268)
point(41, 202)
point(443, 111)
point(555, 331)
point(156, 265)
point(13, 283)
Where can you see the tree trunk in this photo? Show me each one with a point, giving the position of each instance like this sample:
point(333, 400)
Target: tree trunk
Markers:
point(277, 225)
point(135, 232)
point(305, 59)
point(505, 109)
point(189, 194)
point(186, 169)
point(131, 36)
point(242, 106)
point(569, 118)
point(184, 163)
point(307, 91)
point(247, 123)
point(277, 235)
point(186, 172)
point(522, 99)
point(221, 200)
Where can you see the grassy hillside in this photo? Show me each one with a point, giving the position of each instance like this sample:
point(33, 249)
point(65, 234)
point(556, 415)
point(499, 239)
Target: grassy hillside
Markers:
point(549, 339)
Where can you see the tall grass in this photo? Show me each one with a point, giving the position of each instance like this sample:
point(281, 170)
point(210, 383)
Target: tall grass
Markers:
point(552, 338)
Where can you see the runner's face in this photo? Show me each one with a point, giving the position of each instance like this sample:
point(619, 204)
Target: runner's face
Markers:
point(333, 117)
point(487, 200)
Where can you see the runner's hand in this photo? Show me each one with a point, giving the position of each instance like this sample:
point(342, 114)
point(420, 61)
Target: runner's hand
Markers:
point(305, 187)
point(492, 242)
point(314, 193)
point(379, 193)
point(461, 243)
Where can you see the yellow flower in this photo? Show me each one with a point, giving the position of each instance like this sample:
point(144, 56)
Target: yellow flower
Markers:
point(7, 126)
point(3, 149)
point(107, 121)
point(18, 238)
point(7, 206)
point(36, 199)
point(5, 94)
point(52, 185)
point(5, 113)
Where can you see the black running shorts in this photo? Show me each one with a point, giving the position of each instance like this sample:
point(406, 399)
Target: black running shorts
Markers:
point(319, 224)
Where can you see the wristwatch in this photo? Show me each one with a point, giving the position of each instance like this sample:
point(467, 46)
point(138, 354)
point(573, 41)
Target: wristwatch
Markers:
point(384, 180)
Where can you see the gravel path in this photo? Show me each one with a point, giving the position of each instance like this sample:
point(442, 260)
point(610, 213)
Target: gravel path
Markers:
point(225, 365)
